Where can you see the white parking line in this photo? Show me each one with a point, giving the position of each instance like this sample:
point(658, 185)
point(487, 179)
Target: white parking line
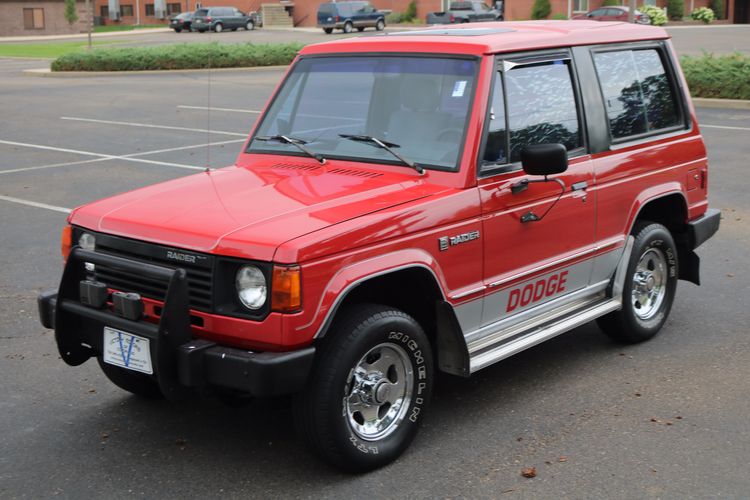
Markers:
point(725, 127)
point(54, 208)
point(228, 110)
point(99, 155)
point(132, 155)
point(149, 125)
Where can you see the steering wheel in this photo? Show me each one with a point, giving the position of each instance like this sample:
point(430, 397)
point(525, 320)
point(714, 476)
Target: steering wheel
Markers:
point(445, 134)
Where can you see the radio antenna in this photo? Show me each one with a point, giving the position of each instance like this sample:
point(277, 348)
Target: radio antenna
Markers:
point(208, 104)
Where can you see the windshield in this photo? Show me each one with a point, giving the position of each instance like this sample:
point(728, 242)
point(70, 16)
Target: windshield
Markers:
point(420, 105)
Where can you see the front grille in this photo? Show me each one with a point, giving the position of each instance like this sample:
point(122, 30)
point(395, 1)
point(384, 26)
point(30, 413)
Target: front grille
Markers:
point(199, 276)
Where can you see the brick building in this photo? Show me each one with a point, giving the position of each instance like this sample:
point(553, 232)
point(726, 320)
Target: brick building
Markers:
point(39, 17)
point(303, 12)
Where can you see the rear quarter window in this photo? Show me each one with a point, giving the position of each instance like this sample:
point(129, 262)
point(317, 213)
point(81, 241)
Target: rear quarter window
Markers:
point(638, 93)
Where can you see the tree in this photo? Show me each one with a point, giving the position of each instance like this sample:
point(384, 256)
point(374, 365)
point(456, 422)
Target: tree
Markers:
point(608, 3)
point(675, 9)
point(718, 7)
point(70, 13)
point(541, 9)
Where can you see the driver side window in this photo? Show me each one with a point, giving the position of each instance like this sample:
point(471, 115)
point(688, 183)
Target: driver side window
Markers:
point(532, 103)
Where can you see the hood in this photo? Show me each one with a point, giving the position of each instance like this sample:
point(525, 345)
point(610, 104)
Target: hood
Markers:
point(272, 204)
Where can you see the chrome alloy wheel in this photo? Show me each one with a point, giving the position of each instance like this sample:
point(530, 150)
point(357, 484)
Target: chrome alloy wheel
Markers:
point(378, 391)
point(649, 283)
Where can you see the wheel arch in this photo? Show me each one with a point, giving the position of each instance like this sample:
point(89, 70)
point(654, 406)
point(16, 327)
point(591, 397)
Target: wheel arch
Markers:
point(670, 209)
point(415, 289)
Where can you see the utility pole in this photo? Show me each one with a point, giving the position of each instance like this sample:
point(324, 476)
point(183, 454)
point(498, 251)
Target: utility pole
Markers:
point(89, 21)
point(631, 11)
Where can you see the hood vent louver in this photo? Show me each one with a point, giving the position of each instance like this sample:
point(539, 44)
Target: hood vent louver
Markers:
point(292, 166)
point(354, 173)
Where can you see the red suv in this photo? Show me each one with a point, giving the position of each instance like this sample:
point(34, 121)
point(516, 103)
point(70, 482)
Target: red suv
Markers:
point(486, 190)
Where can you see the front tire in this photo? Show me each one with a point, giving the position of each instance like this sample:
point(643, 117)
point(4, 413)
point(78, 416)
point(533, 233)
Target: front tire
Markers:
point(380, 25)
point(136, 383)
point(178, 30)
point(348, 27)
point(369, 388)
point(649, 288)
point(219, 28)
point(250, 26)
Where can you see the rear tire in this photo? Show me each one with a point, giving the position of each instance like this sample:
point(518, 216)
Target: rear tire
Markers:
point(328, 31)
point(136, 383)
point(649, 288)
point(369, 387)
point(219, 28)
point(177, 30)
point(348, 26)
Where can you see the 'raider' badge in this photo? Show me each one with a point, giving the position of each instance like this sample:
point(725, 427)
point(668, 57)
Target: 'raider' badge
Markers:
point(444, 241)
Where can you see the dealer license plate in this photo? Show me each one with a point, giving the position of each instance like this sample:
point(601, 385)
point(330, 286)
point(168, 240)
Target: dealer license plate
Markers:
point(127, 350)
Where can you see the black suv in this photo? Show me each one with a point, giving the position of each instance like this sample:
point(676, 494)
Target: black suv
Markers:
point(222, 18)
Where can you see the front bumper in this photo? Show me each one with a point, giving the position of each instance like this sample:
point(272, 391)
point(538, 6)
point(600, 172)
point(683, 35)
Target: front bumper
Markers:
point(180, 362)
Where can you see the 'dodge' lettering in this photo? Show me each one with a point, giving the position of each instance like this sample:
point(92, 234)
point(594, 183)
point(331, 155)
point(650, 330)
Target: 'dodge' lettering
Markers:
point(536, 291)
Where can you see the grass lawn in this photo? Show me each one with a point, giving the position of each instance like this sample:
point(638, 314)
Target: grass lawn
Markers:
point(46, 50)
point(126, 27)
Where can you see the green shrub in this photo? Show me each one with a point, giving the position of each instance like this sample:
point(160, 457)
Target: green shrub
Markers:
point(611, 3)
point(725, 77)
point(411, 12)
point(182, 56)
point(541, 9)
point(675, 9)
point(394, 18)
point(655, 14)
point(559, 16)
point(703, 14)
point(718, 7)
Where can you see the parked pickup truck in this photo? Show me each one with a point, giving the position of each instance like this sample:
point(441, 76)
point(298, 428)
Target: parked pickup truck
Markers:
point(465, 12)
point(493, 188)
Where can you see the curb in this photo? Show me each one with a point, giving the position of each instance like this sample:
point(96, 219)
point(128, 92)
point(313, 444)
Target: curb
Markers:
point(47, 73)
point(81, 36)
point(705, 102)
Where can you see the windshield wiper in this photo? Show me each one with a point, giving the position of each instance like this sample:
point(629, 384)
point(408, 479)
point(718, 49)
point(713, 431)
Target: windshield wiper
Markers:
point(298, 143)
point(368, 139)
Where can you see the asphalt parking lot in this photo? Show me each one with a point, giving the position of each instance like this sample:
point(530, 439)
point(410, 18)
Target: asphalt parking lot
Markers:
point(664, 419)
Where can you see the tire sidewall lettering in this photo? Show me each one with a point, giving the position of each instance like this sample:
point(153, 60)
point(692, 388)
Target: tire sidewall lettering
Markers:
point(417, 403)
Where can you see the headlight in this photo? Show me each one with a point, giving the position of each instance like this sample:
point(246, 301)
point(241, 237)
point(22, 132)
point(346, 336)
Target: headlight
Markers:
point(251, 287)
point(87, 241)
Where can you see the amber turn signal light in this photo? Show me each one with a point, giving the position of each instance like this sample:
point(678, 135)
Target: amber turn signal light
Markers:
point(66, 242)
point(286, 293)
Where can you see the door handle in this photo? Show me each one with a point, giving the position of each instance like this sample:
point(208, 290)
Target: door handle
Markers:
point(579, 186)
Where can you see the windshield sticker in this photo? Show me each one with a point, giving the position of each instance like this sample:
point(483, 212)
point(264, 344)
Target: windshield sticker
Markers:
point(459, 88)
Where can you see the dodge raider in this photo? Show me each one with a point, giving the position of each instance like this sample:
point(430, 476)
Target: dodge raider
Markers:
point(485, 190)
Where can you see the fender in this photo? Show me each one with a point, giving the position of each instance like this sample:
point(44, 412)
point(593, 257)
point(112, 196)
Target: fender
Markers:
point(651, 194)
point(349, 277)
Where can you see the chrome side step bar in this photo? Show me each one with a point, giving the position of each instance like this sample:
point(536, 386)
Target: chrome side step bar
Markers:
point(540, 334)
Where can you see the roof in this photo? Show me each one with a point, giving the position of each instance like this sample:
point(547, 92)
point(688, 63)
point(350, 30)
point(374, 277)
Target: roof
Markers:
point(493, 37)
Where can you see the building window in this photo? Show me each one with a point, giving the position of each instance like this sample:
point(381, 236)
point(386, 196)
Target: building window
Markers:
point(580, 5)
point(126, 10)
point(174, 8)
point(33, 19)
point(150, 9)
point(104, 11)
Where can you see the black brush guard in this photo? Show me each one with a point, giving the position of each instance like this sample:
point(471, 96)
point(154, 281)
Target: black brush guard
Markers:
point(179, 361)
